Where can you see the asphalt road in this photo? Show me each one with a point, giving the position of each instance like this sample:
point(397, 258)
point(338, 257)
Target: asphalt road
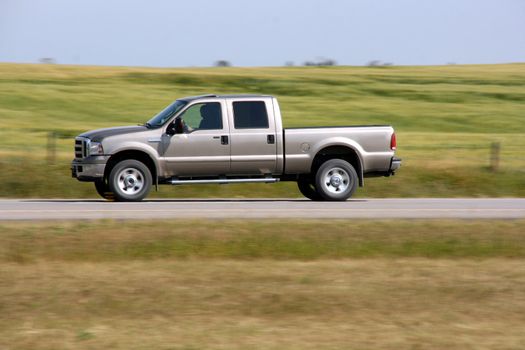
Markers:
point(67, 209)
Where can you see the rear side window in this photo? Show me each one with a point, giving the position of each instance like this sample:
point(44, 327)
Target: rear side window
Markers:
point(250, 115)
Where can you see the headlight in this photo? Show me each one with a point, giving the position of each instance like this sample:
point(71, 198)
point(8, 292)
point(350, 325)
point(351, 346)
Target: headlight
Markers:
point(95, 148)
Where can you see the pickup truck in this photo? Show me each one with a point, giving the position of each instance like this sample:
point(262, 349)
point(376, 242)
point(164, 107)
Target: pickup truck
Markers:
point(232, 139)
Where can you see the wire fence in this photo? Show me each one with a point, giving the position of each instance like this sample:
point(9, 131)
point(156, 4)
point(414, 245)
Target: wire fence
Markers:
point(492, 155)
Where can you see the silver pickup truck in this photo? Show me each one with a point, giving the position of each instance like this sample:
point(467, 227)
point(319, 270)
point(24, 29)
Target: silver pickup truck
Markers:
point(231, 139)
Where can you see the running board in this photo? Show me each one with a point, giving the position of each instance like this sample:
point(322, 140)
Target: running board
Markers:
point(223, 181)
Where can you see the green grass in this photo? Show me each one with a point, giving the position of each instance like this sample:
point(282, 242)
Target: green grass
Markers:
point(285, 239)
point(446, 117)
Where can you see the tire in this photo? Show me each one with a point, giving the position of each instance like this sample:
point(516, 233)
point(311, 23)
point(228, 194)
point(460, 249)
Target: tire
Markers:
point(307, 188)
point(336, 180)
point(103, 190)
point(130, 181)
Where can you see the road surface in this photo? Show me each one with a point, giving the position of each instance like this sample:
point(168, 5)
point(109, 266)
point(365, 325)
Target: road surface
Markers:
point(415, 208)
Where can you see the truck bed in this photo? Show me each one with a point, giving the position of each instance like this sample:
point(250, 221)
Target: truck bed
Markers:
point(370, 142)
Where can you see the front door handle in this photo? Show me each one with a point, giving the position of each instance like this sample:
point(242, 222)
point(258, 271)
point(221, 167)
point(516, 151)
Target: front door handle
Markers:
point(224, 140)
point(270, 139)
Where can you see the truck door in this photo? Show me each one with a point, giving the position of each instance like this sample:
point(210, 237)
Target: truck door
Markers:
point(253, 138)
point(204, 147)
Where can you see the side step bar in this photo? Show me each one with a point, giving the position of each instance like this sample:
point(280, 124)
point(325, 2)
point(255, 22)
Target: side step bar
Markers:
point(224, 181)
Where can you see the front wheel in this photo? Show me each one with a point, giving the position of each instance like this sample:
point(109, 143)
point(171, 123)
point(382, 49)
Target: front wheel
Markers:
point(336, 180)
point(103, 190)
point(130, 181)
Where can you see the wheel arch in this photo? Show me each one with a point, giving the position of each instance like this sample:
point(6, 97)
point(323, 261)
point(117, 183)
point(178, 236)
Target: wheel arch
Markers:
point(135, 154)
point(338, 151)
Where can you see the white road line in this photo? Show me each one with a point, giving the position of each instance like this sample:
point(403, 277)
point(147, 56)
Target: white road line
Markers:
point(43, 209)
point(263, 210)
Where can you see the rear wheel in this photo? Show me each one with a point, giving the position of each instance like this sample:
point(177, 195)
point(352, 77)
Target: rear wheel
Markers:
point(307, 188)
point(130, 181)
point(103, 190)
point(336, 180)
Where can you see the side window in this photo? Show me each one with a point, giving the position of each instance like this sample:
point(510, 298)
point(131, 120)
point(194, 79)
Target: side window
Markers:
point(203, 116)
point(250, 115)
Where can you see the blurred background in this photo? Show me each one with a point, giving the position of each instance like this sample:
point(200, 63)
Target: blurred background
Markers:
point(446, 76)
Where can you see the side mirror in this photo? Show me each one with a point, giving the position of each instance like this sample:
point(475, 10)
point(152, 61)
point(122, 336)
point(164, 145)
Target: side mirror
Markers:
point(176, 127)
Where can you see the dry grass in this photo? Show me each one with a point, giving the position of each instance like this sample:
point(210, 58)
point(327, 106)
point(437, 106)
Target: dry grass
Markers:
point(224, 304)
point(262, 284)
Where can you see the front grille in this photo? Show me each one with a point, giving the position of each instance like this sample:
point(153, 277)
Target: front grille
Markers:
point(80, 148)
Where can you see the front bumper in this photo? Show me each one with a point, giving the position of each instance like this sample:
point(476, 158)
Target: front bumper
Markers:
point(89, 168)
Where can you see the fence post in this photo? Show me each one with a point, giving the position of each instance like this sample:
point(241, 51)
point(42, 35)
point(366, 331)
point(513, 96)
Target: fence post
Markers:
point(51, 147)
point(495, 150)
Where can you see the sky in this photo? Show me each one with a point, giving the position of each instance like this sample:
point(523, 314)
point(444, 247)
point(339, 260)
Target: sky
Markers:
point(176, 33)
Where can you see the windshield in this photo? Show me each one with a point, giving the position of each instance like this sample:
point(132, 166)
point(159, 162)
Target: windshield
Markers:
point(168, 112)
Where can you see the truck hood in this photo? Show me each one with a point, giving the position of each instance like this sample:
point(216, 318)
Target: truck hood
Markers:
point(100, 134)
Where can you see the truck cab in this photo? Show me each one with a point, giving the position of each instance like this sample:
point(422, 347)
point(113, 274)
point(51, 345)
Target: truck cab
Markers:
point(222, 136)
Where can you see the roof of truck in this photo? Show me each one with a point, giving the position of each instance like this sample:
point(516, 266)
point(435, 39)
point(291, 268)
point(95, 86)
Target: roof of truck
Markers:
point(192, 98)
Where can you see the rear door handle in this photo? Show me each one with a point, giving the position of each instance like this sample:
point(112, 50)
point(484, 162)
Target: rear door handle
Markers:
point(270, 139)
point(224, 140)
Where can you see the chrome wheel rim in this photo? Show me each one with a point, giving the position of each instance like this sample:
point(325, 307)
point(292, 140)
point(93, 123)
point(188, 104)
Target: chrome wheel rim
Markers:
point(130, 181)
point(336, 180)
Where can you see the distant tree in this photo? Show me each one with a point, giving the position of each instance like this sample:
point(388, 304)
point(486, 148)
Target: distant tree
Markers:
point(222, 63)
point(289, 64)
point(377, 63)
point(327, 62)
point(47, 60)
point(324, 62)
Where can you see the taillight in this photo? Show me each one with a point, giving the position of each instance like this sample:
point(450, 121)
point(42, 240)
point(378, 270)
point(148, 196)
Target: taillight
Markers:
point(393, 142)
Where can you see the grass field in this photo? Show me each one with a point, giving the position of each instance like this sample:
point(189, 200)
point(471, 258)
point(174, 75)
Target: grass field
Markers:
point(288, 284)
point(446, 117)
point(265, 285)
